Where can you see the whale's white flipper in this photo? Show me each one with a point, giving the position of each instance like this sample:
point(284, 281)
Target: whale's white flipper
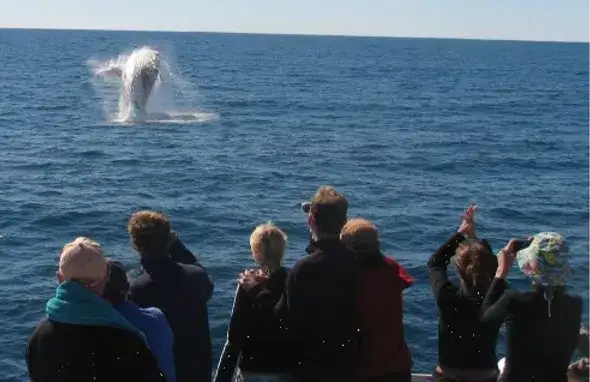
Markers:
point(110, 72)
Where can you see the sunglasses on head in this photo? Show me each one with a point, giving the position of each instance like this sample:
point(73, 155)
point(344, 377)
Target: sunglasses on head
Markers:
point(305, 207)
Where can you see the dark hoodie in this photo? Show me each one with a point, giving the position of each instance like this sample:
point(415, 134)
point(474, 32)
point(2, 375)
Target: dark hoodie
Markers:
point(381, 315)
point(180, 287)
point(464, 342)
point(319, 307)
point(256, 339)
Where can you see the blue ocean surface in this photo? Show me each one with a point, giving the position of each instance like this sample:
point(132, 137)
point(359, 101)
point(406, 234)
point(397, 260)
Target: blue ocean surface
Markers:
point(410, 130)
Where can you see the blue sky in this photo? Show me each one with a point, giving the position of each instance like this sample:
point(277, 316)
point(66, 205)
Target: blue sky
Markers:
point(551, 20)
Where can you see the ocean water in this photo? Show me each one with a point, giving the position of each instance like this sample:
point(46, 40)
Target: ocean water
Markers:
point(410, 130)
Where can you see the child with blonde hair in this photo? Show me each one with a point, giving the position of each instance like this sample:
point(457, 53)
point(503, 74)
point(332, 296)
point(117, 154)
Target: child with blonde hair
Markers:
point(257, 343)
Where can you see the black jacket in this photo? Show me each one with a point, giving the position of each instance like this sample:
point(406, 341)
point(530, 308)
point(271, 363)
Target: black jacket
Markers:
point(538, 348)
point(319, 307)
point(464, 342)
point(180, 287)
point(59, 352)
point(256, 339)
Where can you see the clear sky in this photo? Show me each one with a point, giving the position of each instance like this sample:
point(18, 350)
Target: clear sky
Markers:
point(550, 20)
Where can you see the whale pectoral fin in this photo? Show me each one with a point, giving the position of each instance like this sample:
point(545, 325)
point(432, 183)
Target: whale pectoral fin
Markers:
point(110, 72)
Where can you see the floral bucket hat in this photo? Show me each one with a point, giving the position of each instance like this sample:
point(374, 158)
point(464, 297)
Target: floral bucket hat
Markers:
point(545, 260)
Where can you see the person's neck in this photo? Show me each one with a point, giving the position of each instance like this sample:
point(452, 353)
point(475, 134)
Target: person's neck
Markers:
point(469, 288)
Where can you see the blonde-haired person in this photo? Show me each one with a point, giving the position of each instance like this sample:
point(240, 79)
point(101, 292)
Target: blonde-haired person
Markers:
point(542, 324)
point(466, 346)
point(257, 344)
point(386, 356)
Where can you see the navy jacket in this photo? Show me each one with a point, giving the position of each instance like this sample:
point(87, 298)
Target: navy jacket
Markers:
point(180, 287)
point(152, 323)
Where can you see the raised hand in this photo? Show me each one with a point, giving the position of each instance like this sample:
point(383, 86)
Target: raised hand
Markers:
point(467, 227)
point(251, 277)
point(506, 257)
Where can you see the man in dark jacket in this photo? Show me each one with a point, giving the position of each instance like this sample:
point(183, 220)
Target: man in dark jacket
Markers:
point(171, 280)
point(320, 301)
point(83, 337)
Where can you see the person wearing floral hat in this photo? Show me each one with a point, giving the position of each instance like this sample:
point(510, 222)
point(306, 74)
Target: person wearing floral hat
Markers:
point(542, 324)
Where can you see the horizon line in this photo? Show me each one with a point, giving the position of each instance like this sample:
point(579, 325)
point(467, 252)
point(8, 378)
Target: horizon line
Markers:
point(295, 34)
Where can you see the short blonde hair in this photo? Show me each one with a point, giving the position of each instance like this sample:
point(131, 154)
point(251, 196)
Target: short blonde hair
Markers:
point(360, 235)
point(268, 243)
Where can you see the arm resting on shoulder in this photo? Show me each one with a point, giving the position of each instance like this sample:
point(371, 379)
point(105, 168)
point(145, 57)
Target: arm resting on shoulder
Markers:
point(437, 268)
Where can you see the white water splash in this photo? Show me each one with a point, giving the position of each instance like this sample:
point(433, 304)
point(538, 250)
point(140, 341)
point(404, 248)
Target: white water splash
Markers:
point(172, 100)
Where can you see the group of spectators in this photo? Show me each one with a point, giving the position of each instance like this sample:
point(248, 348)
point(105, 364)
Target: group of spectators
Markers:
point(336, 315)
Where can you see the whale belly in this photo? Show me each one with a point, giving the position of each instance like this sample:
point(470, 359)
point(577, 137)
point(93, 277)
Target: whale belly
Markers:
point(139, 83)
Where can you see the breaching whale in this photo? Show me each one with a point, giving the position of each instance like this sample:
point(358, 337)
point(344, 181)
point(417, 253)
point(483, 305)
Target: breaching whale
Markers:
point(139, 74)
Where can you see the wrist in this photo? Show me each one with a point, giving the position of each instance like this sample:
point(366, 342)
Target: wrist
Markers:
point(501, 273)
point(465, 235)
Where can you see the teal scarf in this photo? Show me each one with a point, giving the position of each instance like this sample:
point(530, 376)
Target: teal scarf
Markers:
point(76, 305)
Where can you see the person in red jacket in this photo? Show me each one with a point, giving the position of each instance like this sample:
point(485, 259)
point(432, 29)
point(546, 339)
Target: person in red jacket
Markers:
point(386, 356)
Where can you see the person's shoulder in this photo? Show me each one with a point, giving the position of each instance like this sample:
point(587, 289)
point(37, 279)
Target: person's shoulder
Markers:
point(157, 319)
point(575, 301)
point(138, 278)
point(154, 313)
point(283, 273)
point(573, 298)
point(307, 261)
point(191, 269)
point(44, 324)
point(520, 298)
point(43, 328)
point(120, 337)
point(399, 271)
